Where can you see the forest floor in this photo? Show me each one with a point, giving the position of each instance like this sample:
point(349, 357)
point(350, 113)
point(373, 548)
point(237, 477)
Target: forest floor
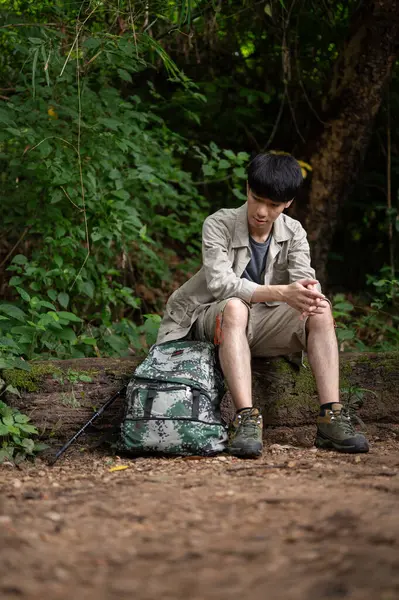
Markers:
point(299, 523)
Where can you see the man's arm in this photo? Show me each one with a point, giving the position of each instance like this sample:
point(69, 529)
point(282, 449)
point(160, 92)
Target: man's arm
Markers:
point(301, 295)
point(299, 267)
point(304, 291)
point(223, 283)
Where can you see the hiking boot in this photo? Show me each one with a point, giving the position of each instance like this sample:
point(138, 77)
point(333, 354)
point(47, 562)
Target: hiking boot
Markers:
point(245, 434)
point(335, 430)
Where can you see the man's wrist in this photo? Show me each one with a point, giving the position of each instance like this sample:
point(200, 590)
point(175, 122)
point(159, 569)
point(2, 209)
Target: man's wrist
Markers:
point(279, 292)
point(269, 293)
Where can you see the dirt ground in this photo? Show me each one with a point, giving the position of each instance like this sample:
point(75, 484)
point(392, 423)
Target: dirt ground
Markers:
point(299, 523)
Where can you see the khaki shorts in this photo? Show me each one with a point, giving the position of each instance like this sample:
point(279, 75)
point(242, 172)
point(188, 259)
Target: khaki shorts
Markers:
point(271, 330)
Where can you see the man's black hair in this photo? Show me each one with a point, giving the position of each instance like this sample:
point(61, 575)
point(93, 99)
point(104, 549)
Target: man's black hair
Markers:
point(277, 177)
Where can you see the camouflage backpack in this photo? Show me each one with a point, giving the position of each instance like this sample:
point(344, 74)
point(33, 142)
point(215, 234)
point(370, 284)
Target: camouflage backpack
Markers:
point(173, 402)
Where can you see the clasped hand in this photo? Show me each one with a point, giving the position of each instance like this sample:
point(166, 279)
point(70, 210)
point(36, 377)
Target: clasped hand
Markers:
point(304, 297)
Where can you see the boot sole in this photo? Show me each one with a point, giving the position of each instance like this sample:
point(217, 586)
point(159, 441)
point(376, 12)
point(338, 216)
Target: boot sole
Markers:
point(245, 452)
point(330, 445)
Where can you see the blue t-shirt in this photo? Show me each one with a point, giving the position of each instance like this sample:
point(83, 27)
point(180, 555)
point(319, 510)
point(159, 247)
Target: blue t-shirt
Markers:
point(256, 266)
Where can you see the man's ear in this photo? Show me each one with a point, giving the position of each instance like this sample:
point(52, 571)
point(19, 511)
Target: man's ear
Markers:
point(288, 204)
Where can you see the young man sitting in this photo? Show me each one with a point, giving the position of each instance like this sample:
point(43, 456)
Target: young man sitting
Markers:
point(256, 295)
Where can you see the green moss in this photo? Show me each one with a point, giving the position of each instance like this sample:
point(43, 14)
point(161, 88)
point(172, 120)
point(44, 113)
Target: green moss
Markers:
point(389, 361)
point(30, 380)
point(299, 385)
point(345, 371)
point(283, 366)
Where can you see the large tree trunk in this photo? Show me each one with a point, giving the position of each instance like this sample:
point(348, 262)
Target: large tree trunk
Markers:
point(351, 104)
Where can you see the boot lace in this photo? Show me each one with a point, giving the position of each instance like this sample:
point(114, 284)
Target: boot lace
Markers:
point(350, 408)
point(344, 419)
point(249, 424)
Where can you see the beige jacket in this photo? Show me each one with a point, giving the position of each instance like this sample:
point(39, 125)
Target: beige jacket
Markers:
point(225, 255)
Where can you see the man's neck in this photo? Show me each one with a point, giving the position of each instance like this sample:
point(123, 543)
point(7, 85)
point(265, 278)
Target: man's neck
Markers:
point(260, 236)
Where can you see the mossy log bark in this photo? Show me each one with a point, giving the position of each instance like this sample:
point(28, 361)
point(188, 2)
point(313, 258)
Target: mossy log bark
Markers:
point(59, 402)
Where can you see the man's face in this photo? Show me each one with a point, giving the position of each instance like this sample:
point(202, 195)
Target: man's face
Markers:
point(262, 212)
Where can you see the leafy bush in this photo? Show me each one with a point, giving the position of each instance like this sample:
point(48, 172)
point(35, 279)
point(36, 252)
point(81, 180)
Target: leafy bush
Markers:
point(369, 322)
point(16, 435)
point(95, 181)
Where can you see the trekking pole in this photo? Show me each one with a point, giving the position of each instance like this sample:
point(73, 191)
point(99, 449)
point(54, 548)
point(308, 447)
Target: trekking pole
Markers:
point(89, 422)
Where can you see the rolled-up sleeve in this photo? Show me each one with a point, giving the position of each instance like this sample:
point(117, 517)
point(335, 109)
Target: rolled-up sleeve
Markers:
point(221, 280)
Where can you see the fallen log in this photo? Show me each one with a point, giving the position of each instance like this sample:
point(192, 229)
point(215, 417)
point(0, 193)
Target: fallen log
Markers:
point(61, 395)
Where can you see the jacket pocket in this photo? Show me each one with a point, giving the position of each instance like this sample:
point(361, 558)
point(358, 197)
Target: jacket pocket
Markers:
point(280, 275)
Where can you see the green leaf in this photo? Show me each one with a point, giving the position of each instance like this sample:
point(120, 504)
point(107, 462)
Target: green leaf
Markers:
point(58, 260)
point(52, 294)
point(68, 316)
point(18, 363)
point(60, 231)
point(208, 170)
point(19, 259)
point(6, 364)
point(24, 295)
point(63, 299)
point(36, 41)
point(111, 124)
point(29, 445)
point(240, 172)
point(66, 334)
point(13, 311)
point(46, 305)
point(125, 75)
point(87, 288)
point(116, 342)
point(85, 378)
point(3, 429)
point(13, 390)
point(28, 428)
point(15, 280)
point(345, 306)
point(92, 43)
point(224, 164)
point(8, 420)
point(88, 341)
point(39, 447)
point(5, 454)
point(230, 154)
point(13, 429)
point(20, 418)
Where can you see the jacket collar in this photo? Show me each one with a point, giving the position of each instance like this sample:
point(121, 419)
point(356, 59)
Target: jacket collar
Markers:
point(281, 232)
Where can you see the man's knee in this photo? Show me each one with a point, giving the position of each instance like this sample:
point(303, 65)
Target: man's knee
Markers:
point(323, 320)
point(235, 313)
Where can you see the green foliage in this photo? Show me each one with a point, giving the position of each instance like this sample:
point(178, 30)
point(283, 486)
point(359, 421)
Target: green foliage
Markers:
point(225, 166)
point(36, 329)
point(386, 288)
point(105, 175)
point(370, 323)
point(16, 435)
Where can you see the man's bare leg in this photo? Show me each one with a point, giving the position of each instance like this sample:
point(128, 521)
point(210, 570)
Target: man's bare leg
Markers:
point(334, 429)
point(234, 353)
point(245, 434)
point(322, 352)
